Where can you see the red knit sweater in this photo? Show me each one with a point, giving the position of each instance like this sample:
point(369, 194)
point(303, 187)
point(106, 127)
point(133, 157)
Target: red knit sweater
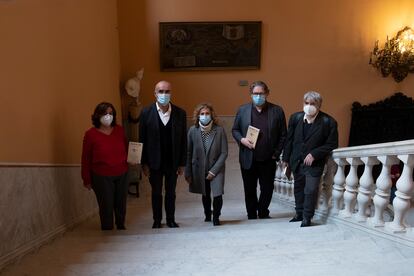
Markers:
point(104, 154)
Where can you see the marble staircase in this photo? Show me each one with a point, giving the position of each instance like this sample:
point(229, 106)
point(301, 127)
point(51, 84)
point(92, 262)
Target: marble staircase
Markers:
point(238, 247)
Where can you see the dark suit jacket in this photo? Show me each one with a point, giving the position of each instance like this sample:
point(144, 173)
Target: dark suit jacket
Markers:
point(277, 131)
point(149, 135)
point(320, 141)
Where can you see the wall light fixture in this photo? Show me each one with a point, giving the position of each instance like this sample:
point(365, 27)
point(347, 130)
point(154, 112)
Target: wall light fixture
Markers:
point(397, 55)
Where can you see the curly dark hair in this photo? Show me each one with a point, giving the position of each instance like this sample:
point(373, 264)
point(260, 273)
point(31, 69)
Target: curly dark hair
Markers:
point(100, 110)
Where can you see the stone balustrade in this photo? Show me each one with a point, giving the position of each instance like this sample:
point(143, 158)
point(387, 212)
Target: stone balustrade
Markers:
point(350, 192)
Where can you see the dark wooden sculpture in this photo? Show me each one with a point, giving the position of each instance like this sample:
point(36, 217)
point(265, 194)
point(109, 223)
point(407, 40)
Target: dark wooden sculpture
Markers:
point(385, 121)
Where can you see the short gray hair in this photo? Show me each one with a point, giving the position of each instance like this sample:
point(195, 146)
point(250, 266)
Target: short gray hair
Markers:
point(314, 96)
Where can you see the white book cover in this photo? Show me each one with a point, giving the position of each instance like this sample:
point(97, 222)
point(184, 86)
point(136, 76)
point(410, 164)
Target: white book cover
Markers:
point(252, 135)
point(134, 153)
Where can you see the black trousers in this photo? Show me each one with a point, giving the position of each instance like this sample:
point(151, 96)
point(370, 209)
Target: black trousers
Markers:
point(264, 171)
point(156, 179)
point(217, 203)
point(306, 190)
point(111, 193)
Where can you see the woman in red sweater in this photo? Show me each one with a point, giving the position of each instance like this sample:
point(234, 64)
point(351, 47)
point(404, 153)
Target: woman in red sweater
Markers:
point(104, 165)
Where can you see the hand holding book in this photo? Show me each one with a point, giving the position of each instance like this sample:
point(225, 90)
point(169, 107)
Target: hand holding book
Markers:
point(252, 135)
point(134, 153)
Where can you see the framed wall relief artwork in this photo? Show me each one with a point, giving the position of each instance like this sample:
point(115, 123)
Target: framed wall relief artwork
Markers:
point(209, 45)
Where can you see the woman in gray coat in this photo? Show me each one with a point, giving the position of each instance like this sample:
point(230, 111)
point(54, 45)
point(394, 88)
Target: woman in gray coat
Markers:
point(206, 156)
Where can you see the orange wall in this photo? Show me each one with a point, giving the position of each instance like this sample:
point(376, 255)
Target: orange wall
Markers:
point(58, 59)
point(321, 45)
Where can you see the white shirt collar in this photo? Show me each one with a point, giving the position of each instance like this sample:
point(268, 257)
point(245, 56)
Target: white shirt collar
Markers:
point(165, 117)
point(310, 120)
point(160, 110)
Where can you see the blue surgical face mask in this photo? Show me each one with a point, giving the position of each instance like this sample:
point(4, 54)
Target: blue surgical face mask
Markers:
point(258, 100)
point(205, 119)
point(163, 99)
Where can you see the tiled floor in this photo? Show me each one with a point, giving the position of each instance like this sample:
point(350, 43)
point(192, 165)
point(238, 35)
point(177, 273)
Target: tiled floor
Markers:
point(238, 247)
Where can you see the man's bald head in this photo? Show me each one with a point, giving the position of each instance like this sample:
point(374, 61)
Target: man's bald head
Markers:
point(162, 85)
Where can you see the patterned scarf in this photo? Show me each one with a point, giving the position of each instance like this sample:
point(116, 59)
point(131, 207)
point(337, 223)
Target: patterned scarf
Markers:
point(205, 134)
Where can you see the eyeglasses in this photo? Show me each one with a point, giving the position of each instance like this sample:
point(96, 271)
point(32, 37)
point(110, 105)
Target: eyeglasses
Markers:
point(164, 91)
point(258, 94)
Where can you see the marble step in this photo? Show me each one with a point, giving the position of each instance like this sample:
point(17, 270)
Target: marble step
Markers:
point(286, 264)
point(126, 255)
point(262, 247)
point(289, 231)
point(203, 240)
point(172, 246)
point(119, 254)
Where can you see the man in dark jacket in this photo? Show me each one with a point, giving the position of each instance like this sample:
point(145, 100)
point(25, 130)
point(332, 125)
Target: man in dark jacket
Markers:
point(258, 158)
point(312, 135)
point(163, 133)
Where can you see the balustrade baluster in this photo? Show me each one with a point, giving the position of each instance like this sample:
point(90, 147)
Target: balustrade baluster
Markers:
point(291, 183)
point(365, 188)
point(278, 175)
point(402, 200)
point(338, 188)
point(382, 193)
point(351, 188)
point(326, 185)
point(284, 186)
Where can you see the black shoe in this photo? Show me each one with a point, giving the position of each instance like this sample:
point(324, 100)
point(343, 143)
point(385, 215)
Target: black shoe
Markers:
point(172, 224)
point(208, 216)
point(121, 227)
point(156, 225)
point(216, 222)
point(252, 216)
point(265, 217)
point(106, 228)
point(297, 217)
point(306, 222)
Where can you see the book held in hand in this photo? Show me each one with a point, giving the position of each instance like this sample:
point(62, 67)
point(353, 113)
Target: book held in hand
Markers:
point(134, 153)
point(252, 135)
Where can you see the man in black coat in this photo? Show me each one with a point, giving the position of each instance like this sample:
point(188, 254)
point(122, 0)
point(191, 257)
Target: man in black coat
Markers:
point(312, 135)
point(163, 133)
point(258, 161)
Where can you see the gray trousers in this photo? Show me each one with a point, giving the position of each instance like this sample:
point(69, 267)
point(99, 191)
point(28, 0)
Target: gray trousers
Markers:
point(306, 190)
